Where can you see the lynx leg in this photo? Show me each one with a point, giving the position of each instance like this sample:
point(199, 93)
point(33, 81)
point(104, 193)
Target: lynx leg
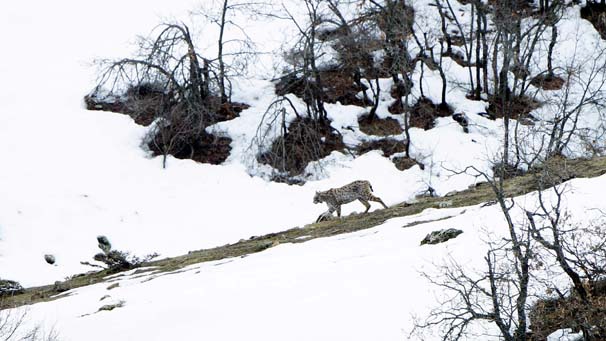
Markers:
point(366, 204)
point(320, 218)
point(377, 199)
point(328, 213)
point(339, 211)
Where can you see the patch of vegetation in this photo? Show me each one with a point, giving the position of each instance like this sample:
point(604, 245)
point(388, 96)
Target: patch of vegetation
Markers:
point(116, 260)
point(9, 288)
point(549, 315)
point(170, 84)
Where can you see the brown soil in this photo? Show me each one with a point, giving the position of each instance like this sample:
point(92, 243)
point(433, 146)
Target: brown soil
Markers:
point(424, 112)
point(372, 125)
point(143, 112)
point(403, 163)
point(520, 107)
point(388, 146)
point(207, 148)
point(144, 104)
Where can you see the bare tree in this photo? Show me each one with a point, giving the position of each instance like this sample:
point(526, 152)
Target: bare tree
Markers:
point(234, 51)
point(183, 84)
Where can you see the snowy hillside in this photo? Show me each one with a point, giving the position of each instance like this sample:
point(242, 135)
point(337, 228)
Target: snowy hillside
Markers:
point(69, 175)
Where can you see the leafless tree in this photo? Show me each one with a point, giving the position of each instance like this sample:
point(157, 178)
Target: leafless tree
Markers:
point(234, 51)
point(499, 293)
point(183, 83)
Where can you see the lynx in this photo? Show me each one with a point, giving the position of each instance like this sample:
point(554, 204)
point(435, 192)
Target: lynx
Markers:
point(335, 197)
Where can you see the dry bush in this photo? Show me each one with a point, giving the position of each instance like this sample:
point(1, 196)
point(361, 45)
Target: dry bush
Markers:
point(549, 315)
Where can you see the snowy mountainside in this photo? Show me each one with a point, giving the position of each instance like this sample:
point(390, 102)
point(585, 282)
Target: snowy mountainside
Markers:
point(360, 286)
point(69, 175)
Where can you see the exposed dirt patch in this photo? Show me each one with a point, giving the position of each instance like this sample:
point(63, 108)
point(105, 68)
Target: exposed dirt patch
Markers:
point(229, 111)
point(147, 102)
point(206, 148)
point(306, 140)
point(142, 105)
point(424, 112)
point(388, 146)
point(403, 163)
point(595, 12)
point(519, 107)
point(373, 125)
point(548, 82)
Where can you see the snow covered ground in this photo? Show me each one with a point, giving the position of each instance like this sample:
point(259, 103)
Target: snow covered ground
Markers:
point(365, 285)
point(68, 175)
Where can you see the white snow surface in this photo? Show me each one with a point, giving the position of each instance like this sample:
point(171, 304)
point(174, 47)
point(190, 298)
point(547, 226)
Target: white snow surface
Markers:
point(68, 175)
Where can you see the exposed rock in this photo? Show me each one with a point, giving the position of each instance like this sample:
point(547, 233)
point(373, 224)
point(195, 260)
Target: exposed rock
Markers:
point(461, 118)
point(61, 286)
point(441, 236)
point(113, 286)
point(50, 259)
point(104, 243)
point(110, 307)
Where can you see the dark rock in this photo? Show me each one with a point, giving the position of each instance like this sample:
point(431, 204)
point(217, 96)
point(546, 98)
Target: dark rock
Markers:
point(487, 115)
point(461, 118)
point(104, 243)
point(61, 286)
point(50, 259)
point(441, 236)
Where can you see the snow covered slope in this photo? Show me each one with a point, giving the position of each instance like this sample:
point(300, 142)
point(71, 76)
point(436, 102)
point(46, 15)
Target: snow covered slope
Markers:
point(360, 286)
point(68, 175)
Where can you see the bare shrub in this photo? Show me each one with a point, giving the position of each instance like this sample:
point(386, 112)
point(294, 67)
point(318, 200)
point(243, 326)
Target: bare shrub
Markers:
point(304, 140)
point(14, 326)
point(116, 260)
